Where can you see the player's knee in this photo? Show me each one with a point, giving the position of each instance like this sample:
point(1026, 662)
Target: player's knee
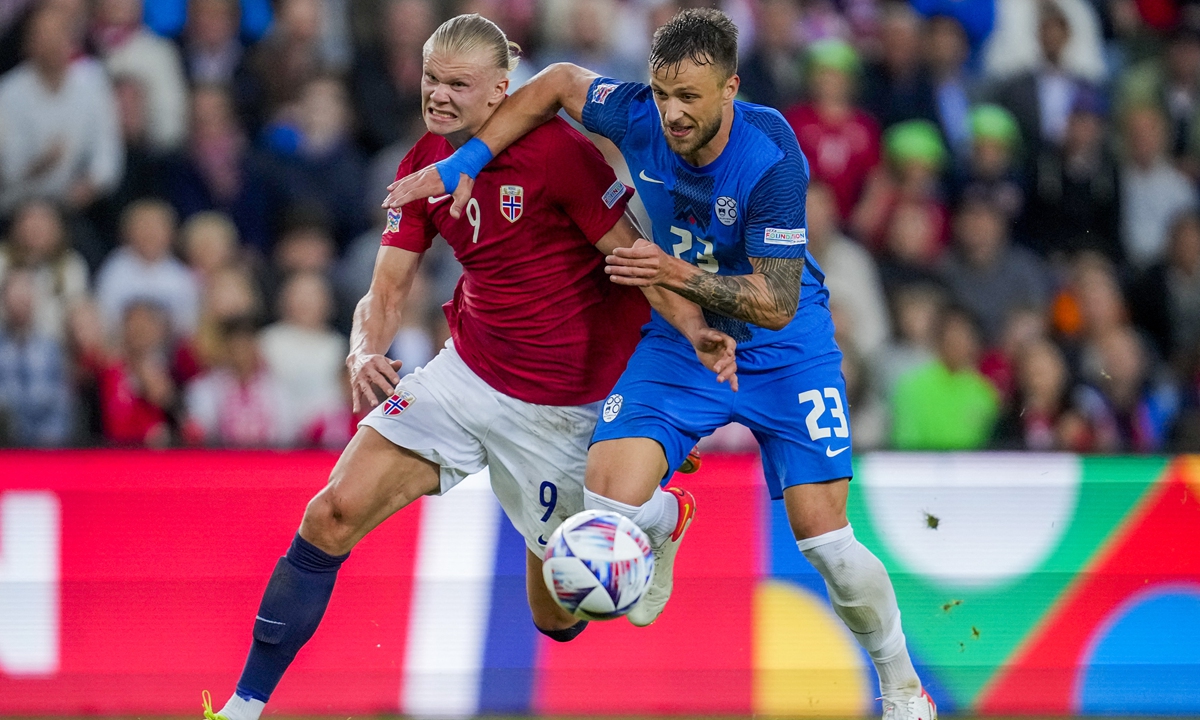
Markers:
point(565, 634)
point(329, 523)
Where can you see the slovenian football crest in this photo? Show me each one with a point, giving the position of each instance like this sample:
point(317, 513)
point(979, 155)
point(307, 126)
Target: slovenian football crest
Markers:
point(512, 202)
point(398, 403)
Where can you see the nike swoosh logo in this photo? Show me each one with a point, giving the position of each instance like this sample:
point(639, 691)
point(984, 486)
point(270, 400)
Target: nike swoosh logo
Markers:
point(437, 199)
point(830, 452)
point(647, 178)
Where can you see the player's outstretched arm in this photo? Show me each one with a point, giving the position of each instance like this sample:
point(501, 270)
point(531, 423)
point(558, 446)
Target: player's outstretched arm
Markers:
point(768, 297)
point(560, 86)
point(715, 349)
point(376, 322)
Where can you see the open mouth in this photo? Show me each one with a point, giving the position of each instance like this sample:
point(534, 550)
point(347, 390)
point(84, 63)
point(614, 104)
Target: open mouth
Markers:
point(678, 132)
point(441, 115)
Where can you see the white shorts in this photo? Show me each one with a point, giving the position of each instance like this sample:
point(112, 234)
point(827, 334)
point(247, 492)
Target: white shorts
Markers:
point(536, 454)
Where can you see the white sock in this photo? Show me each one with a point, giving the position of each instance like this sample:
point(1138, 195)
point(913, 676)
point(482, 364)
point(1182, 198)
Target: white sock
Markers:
point(241, 709)
point(862, 596)
point(656, 518)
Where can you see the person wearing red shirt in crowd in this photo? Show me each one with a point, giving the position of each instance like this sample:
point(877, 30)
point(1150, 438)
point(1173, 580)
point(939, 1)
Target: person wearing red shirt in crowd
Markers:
point(137, 390)
point(840, 141)
point(539, 338)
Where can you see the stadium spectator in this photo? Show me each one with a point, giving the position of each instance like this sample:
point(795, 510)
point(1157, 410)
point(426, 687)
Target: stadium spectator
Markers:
point(129, 48)
point(868, 412)
point(955, 88)
point(1126, 404)
point(999, 360)
point(283, 63)
point(911, 251)
point(840, 141)
point(37, 243)
point(304, 355)
point(212, 54)
point(145, 269)
point(239, 403)
point(946, 404)
point(586, 38)
point(1016, 43)
point(985, 272)
point(1041, 96)
point(976, 18)
point(772, 73)
point(60, 137)
point(219, 171)
point(1171, 83)
point(137, 392)
point(1153, 192)
point(850, 273)
point(898, 87)
point(229, 293)
point(916, 309)
point(209, 243)
point(1075, 190)
point(1165, 299)
point(994, 166)
point(324, 168)
point(1041, 417)
point(915, 157)
point(386, 78)
point(170, 17)
point(145, 168)
point(35, 405)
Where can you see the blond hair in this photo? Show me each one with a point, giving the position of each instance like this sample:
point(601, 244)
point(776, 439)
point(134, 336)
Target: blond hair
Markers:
point(467, 34)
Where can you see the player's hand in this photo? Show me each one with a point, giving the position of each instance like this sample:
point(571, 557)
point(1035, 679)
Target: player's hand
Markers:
point(371, 375)
point(717, 351)
point(427, 183)
point(642, 265)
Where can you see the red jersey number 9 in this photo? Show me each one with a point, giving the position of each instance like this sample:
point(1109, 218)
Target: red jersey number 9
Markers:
point(473, 218)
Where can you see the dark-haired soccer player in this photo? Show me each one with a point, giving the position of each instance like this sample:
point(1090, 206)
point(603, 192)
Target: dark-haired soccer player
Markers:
point(724, 183)
point(539, 338)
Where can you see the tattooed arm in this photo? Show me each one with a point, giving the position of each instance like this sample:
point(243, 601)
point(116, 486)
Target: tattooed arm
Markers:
point(768, 297)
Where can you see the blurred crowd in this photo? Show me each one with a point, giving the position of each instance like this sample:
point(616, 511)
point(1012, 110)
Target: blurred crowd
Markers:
point(1004, 200)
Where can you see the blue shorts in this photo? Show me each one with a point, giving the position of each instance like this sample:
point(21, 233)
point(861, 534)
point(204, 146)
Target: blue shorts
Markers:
point(797, 413)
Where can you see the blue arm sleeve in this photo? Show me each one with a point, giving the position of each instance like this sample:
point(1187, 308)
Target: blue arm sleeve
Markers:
point(607, 110)
point(776, 224)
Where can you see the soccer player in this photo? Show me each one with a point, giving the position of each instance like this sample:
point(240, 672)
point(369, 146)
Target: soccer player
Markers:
point(539, 338)
point(724, 183)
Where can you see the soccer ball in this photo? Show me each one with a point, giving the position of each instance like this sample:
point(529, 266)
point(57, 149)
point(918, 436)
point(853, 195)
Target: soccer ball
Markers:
point(598, 564)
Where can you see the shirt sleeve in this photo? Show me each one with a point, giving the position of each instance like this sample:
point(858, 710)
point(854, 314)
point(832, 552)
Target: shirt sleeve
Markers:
point(775, 222)
point(607, 111)
point(583, 185)
point(410, 227)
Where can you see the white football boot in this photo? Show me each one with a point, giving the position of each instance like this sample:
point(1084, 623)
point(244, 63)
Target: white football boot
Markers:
point(916, 707)
point(652, 603)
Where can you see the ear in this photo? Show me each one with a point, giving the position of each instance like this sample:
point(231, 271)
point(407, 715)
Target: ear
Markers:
point(730, 91)
point(499, 90)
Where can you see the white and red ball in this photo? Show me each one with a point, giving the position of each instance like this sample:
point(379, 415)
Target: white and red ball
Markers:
point(598, 564)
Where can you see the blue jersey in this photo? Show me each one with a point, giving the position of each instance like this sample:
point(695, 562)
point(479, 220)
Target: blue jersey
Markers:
point(749, 202)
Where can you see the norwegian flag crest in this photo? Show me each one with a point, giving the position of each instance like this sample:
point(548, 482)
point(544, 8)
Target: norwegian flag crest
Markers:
point(398, 403)
point(512, 202)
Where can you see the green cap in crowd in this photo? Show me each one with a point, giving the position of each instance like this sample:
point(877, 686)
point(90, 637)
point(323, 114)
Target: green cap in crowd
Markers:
point(834, 54)
point(915, 140)
point(992, 122)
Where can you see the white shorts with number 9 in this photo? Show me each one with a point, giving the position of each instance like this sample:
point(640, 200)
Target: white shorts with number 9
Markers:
point(536, 454)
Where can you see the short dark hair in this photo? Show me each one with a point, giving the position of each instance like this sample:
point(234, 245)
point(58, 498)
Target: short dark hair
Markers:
point(705, 36)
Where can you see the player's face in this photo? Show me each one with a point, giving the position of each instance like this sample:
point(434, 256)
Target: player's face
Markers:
point(459, 93)
point(692, 100)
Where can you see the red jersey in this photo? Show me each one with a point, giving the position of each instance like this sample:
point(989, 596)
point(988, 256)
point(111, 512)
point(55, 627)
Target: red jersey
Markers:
point(534, 313)
point(840, 155)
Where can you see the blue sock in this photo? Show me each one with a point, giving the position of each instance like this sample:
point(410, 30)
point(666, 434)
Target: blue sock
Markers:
point(288, 616)
point(565, 635)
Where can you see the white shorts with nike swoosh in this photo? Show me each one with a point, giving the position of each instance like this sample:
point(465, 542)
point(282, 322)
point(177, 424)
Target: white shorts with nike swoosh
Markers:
point(536, 454)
